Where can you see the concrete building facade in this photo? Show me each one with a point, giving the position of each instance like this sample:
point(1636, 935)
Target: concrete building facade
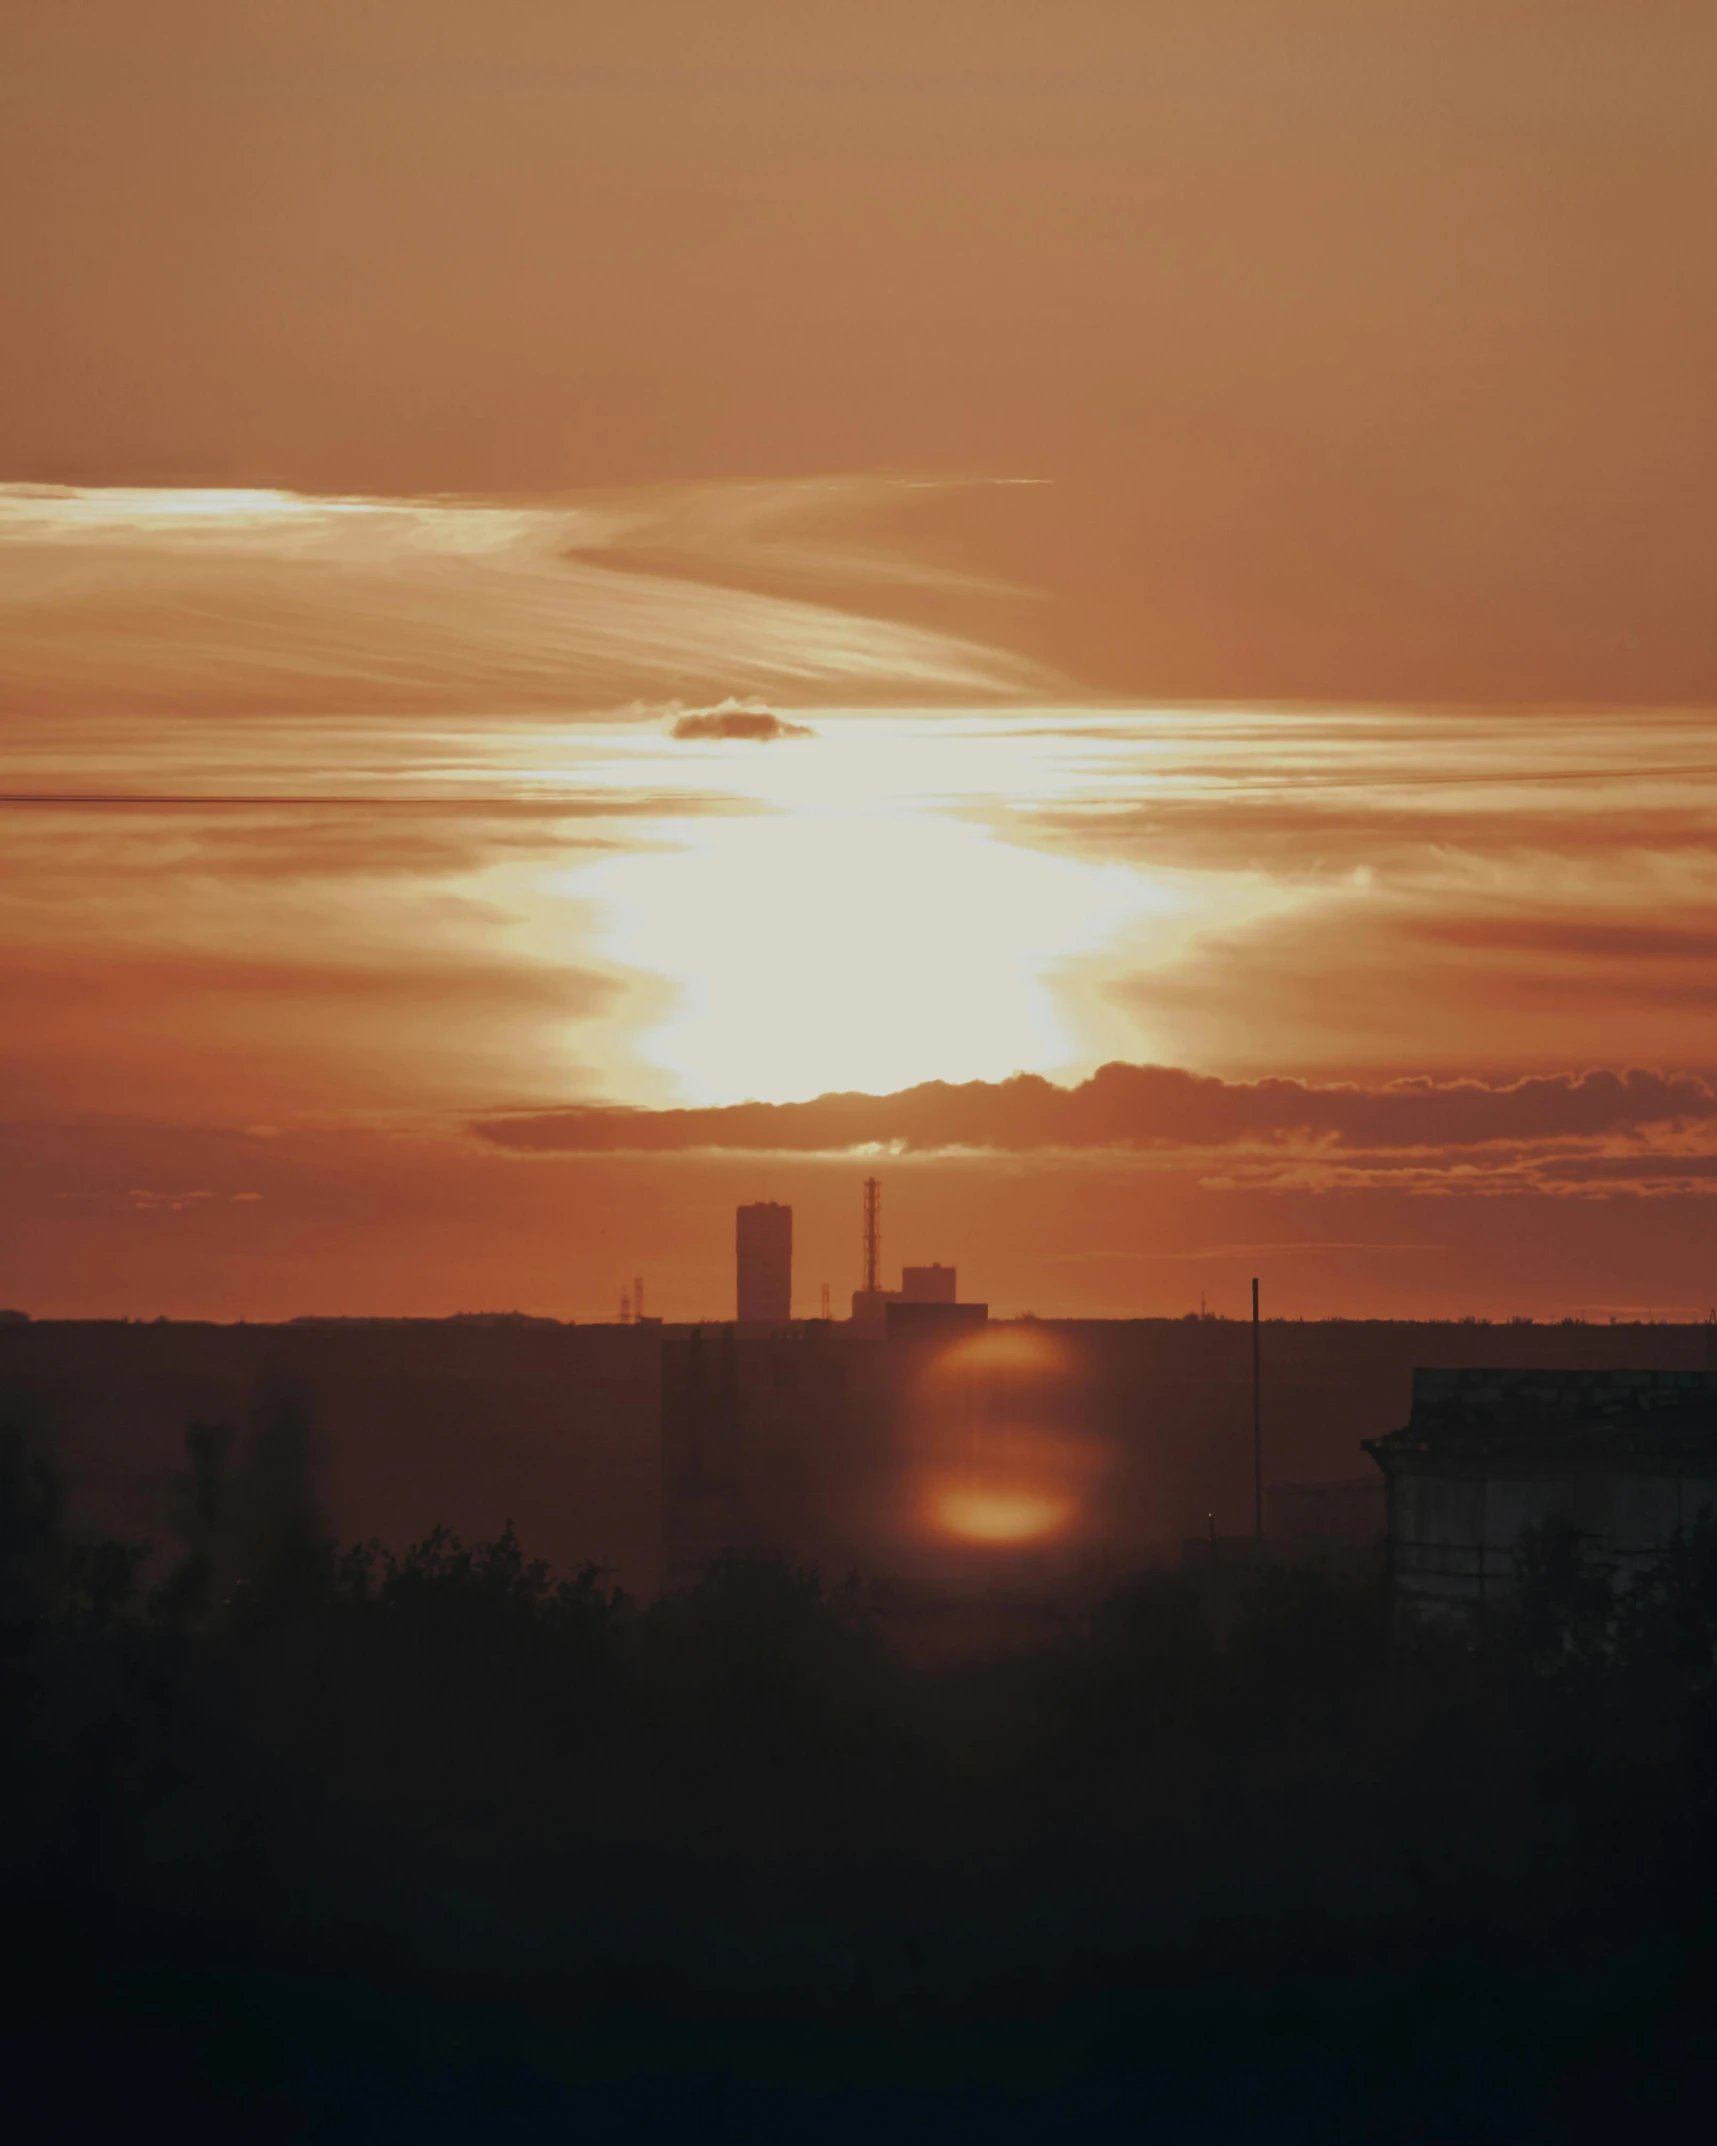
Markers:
point(1626, 1457)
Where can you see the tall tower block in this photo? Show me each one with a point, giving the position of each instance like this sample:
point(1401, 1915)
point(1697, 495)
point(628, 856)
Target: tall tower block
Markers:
point(763, 1242)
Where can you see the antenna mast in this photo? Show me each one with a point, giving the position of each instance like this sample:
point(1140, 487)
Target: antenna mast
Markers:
point(1257, 1425)
point(872, 1234)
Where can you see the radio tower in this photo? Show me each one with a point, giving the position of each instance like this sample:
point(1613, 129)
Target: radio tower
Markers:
point(872, 1234)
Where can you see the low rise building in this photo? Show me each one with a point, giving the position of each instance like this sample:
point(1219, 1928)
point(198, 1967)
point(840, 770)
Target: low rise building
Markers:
point(1627, 1458)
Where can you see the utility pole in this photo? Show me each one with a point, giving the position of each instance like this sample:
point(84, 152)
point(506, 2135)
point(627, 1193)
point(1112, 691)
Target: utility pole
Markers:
point(1257, 1425)
point(872, 1235)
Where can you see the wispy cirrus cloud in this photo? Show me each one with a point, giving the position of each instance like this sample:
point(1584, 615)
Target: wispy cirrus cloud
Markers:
point(224, 602)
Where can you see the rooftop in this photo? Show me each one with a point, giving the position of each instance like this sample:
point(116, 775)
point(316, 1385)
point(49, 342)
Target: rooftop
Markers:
point(1490, 1414)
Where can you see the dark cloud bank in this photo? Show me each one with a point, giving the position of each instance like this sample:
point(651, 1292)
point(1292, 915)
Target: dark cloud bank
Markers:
point(1145, 1107)
point(748, 719)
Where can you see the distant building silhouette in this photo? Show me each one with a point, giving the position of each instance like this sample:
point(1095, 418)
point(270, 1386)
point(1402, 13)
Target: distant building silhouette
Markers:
point(918, 1285)
point(870, 1309)
point(937, 1319)
point(763, 1242)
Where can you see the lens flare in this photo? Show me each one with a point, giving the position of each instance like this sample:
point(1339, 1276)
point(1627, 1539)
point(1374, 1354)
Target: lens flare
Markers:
point(1022, 1356)
point(998, 1513)
point(992, 1419)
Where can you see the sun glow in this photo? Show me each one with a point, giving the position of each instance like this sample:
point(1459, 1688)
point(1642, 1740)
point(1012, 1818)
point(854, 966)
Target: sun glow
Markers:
point(850, 952)
point(847, 933)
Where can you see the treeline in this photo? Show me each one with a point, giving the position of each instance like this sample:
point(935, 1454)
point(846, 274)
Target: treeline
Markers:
point(317, 1830)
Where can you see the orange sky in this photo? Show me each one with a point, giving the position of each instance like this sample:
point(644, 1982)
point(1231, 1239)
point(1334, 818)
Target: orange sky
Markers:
point(1226, 493)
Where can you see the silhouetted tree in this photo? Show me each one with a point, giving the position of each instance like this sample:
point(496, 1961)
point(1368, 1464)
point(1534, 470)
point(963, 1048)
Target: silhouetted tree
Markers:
point(450, 1785)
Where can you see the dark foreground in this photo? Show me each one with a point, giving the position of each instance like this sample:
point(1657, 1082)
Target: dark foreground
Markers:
point(301, 1845)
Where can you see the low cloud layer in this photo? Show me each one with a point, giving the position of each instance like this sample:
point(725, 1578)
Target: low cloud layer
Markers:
point(1158, 1109)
